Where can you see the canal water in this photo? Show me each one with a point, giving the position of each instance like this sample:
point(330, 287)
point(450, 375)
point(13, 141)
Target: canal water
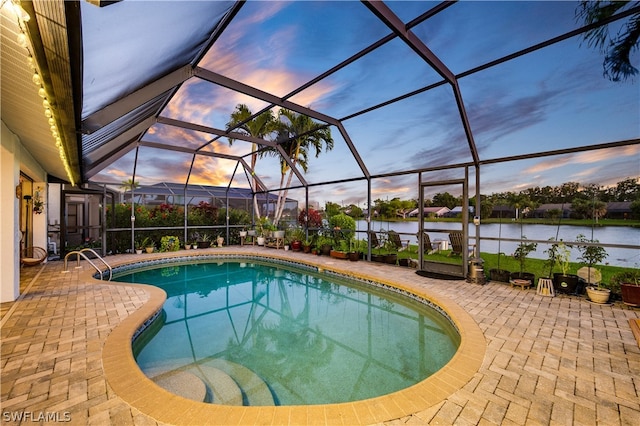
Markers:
point(511, 230)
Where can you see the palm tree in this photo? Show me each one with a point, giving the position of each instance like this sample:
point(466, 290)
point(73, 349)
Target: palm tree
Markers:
point(617, 49)
point(298, 135)
point(260, 127)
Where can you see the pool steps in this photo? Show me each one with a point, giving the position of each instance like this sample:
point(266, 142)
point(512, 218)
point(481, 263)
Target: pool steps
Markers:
point(218, 381)
point(254, 389)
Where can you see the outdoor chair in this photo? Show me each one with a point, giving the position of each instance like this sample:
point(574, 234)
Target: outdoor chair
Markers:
point(427, 246)
point(399, 244)
point(373, 238)
point(32, 256)
point(458, 244)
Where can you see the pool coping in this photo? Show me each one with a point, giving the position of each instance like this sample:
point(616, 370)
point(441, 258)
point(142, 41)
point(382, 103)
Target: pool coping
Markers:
point(131, 385)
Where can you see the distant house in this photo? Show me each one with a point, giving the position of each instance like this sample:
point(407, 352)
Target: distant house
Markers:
point(503, 211)
point(544, 209)
point(430, 211)
point(457, 211)
point(619, 210)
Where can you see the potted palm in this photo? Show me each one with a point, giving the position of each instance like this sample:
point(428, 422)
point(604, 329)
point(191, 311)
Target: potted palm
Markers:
point(591, 255)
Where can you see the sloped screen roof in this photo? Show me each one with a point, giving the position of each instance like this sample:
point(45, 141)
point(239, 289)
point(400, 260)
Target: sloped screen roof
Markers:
point(403, 87)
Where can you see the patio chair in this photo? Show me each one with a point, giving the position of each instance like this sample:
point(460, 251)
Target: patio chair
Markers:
point(399, 244)
point(458, 244)
point(427, 246)
point(375, 243)
point(32, 256)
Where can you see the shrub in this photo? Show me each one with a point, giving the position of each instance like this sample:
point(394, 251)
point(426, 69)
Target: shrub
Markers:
point(169, 243)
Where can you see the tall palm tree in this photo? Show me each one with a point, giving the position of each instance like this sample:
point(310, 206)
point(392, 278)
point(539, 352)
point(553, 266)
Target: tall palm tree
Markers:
point(617, 49)
point(260, 127)
point(299, 135)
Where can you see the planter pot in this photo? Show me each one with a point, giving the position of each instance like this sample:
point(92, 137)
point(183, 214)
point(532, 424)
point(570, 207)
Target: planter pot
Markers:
point(326, 249)
point(598, 295)
point(377, 257)
point(243, 233)
point(306, 249)
point(220, 241)
point(630, 294)
point(403, 262)
point(278, 234)
point(286, 248)
point(251, 233)
point(567, 284)
point(138, 251)
point(501, 275)
point(204, 244)
point(391, 259)
point(194, 246)
point(338, 254)
point(296, 245)
point(354, 256)
point(187, 246)
point(149, 249)
point(260, 241)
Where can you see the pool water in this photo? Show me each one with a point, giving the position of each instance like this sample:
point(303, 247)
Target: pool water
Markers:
point(258, 333)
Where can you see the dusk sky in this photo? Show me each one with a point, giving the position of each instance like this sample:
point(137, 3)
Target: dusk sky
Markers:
point(553, 98)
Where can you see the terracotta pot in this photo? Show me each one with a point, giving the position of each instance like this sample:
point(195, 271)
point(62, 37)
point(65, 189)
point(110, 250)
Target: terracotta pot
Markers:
point(354, 256)
point(296, 245)
point(630, 294)
point(338, 254)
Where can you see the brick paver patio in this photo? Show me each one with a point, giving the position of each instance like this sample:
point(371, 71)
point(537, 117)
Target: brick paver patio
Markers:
point(559, 360)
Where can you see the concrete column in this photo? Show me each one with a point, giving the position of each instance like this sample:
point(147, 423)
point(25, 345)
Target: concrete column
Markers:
point(9, 220)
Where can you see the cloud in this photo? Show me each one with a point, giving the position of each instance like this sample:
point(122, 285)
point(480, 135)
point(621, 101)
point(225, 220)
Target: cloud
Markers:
point(587, 157)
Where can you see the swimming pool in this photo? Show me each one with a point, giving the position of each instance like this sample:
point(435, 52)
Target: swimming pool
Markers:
point(258, 333)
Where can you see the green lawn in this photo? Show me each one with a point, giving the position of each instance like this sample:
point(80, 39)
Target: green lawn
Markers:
point(534, 266)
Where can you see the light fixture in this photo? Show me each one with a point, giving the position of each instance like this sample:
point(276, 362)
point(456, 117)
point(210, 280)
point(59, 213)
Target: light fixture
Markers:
point(23, 17)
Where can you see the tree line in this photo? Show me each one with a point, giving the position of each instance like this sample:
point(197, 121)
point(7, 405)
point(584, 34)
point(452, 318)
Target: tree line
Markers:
point(586, 201)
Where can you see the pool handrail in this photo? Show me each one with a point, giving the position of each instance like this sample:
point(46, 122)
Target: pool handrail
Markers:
point(79, 253)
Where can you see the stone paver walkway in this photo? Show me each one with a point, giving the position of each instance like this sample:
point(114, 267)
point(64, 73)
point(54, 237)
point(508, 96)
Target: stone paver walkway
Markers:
point(555, 360)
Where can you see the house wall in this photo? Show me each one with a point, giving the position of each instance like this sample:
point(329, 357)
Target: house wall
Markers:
point(14, 158)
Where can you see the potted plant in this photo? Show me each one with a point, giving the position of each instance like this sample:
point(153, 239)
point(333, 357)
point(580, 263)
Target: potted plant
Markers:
point(391, 257)
point(341, 250)
point(169, 243)
point(629, 282)
point(220, 240)
point(591, 255)
point(520, 254)
point(325, 245)
point(297, 237)
point(149, 245)
point(262, 228)
point(243, 233)
point(354, 253)
point(564, 282)
point(141, 245)
point(497, 274)
point(204, 241)
point(306, 245)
